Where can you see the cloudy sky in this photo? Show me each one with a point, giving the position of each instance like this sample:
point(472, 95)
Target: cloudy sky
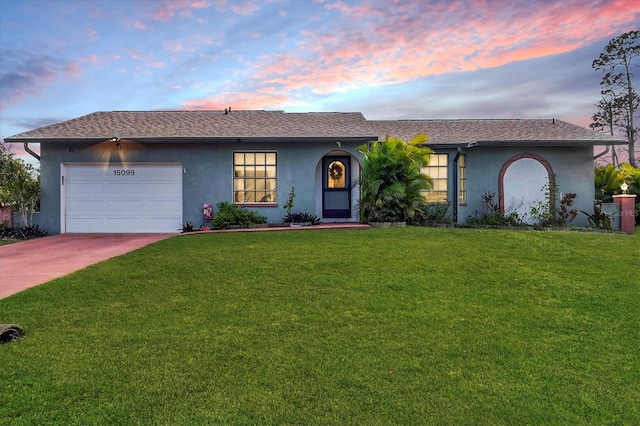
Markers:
point(388, 59)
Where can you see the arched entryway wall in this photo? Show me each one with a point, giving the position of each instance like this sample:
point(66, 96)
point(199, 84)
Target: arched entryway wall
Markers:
point(520, 184)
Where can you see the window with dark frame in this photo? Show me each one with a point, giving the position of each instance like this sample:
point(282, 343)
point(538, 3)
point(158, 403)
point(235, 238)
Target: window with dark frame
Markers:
point(254, 177)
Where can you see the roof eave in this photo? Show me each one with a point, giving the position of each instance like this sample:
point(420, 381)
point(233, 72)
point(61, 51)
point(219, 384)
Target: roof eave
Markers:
point(544, 143)
point(182, 140)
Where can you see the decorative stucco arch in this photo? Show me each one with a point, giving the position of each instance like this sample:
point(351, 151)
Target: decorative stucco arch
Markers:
point(503, 172)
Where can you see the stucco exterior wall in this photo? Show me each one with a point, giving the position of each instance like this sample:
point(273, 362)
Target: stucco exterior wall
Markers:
point(207, 173)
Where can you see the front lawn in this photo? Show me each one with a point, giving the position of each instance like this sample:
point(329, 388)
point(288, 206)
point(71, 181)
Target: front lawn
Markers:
point(381, 326)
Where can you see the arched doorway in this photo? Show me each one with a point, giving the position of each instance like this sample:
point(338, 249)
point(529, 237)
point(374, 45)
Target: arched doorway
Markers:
point(521, 184)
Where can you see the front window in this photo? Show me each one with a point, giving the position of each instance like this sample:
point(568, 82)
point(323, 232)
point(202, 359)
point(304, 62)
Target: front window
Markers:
point(462, 164)
point(437, 170)
point(254, 177)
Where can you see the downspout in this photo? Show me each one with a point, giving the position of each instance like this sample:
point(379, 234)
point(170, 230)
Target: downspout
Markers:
point(456, 198)
point(33, 154)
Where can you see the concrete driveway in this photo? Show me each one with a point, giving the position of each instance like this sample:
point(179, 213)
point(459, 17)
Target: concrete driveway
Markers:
point(30, 263)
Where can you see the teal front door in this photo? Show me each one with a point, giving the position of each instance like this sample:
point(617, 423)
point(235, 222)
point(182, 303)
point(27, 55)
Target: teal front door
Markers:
point(336, 187)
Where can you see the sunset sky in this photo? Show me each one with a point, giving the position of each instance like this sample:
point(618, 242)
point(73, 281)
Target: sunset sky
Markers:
point(388, 59)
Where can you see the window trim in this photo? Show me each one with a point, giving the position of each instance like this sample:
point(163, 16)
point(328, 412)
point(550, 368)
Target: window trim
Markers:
point(234, 179)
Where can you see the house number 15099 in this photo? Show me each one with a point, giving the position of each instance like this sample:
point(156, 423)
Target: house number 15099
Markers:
point(124, 172)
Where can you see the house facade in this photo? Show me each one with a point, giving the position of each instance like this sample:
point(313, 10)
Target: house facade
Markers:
point(152, 171)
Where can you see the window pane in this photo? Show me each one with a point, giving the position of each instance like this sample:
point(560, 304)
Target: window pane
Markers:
point(336, 175)
point(271, 158)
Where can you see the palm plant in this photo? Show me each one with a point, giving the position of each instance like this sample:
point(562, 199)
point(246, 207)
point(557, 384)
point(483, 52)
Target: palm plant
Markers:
point(391, 180)
point(607, 180)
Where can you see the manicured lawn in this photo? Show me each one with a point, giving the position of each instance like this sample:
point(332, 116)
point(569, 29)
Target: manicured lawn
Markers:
point(380, 326)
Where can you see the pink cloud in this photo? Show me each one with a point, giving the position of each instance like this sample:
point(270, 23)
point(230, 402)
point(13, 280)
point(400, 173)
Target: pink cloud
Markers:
point(73, 69)
point(242, 101)
point(239, 7)
point(408, 40)
point(140, 25)
point(169, 8)
point(92, 58)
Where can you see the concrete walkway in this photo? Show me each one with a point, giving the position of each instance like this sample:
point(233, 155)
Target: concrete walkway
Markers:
point(33, 262)
point(30, 263)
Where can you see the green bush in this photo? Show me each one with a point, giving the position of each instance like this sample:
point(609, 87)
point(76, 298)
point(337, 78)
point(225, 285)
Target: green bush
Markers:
point(301, 217)
point(491, 215)
point(232, 216)
point(392, 181)
point(431, 214)
point(608, 179)
point(26, 232)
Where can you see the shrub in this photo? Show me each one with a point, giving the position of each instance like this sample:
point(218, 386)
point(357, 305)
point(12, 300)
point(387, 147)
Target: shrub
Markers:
point(188, 227)
point(28, 232)
point(431, 214)
point(491, 215)
point(565, 213)
point(391, 180)
point(598, 219)
point(301, 217)
point(232, 216)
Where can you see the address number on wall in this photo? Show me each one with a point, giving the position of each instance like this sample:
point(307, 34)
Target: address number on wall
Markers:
point(129, 172)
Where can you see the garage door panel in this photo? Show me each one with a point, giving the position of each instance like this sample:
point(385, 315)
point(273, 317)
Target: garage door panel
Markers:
point(87, 172)
point(164, 223)
point(126, 224)
point(162, 174)
point(85, 188)
point(124, 188)
point(119, 208)
point(86, 207)
point(154, 208)
point(85, 224)
point(137, 197)
point(162, 188)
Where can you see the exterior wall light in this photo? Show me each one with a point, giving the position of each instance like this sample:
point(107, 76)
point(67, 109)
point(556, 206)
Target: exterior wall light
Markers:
point(624, 187)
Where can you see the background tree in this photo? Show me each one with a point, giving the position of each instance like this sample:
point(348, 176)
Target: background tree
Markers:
point(619, 105)
point(609, 112)
point(391, 181)
point(19, 185)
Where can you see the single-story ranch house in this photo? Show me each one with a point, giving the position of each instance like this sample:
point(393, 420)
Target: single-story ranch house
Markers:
point(152, 171)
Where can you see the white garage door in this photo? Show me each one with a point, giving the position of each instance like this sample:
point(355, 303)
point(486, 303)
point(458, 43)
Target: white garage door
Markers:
point(134, 198)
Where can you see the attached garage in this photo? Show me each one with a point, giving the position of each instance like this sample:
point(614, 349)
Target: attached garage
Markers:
point(121, 198)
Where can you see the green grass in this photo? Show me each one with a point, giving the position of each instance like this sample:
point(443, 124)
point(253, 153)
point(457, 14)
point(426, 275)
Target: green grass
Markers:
point(381, 326)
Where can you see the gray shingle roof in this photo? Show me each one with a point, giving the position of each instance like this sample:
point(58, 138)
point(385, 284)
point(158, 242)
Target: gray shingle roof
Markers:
point(494, 132)
point(203, 124)
point(264, 125)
